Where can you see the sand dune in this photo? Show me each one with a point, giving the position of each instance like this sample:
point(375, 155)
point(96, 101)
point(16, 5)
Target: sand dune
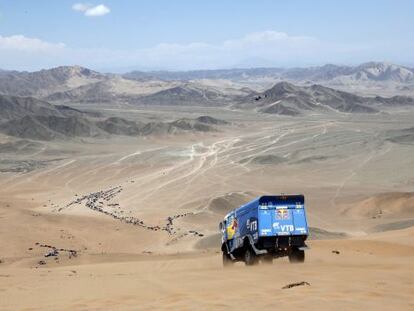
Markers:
point(362, 276)
point(384, 205)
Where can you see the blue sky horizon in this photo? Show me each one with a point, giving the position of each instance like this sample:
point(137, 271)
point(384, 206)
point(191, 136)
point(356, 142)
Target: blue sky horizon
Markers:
point(118, 35)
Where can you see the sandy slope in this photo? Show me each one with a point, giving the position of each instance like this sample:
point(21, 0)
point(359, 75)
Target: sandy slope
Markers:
point(365, 275)
point(195, 179)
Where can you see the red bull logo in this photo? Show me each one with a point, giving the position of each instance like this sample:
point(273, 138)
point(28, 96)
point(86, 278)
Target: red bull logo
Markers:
point(282, 214)
point(235, 224)
point(232, 228)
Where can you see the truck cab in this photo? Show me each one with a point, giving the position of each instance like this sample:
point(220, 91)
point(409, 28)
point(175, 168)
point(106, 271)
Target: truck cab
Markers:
point(266, 228)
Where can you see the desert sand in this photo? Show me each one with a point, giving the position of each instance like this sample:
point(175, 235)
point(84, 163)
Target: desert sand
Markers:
point(134, 220)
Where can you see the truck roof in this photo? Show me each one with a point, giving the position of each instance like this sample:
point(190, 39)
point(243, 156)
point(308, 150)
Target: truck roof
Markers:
point(274, 199)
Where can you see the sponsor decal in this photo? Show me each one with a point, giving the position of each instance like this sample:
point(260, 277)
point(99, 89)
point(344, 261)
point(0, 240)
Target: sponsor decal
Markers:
point(266, 231)
point(287, 228)
point(231, 227)
point(234, 225)
point(282, 214)
point(281, 207)
point(251, 224)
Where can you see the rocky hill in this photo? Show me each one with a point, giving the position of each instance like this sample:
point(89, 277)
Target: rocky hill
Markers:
point(44, 82)
point(185, 95)
point(288, 99)
point(227, 74)
point(48, 127)
point(381, 71)
point(97, 92)
point(29, 118)
point(12, 107)
point(402, 136)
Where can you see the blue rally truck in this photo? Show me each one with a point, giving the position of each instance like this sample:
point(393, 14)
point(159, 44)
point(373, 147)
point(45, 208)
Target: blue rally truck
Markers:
point(268, 227)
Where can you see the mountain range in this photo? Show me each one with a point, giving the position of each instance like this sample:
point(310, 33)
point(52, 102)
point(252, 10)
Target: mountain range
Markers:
point(37, 105)
point(74, 84)
point(371, 71)
point(71, 82)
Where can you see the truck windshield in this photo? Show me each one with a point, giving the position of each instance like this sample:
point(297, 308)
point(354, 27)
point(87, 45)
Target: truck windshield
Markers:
point(287, 200)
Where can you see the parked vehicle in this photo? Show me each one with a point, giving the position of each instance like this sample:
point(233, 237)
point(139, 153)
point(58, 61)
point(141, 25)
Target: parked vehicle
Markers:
point(268, 227)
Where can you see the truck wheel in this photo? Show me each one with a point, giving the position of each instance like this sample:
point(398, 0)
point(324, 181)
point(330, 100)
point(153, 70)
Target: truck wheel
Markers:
point(250, 257)
point(227, 262)
point(297, 256)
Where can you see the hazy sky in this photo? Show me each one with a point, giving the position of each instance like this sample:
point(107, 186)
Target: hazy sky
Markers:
point(121, 34)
